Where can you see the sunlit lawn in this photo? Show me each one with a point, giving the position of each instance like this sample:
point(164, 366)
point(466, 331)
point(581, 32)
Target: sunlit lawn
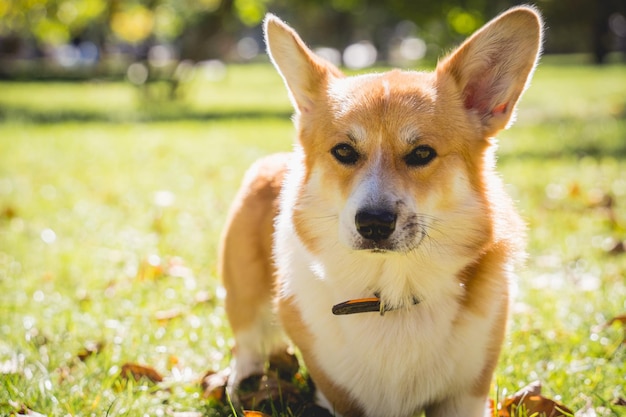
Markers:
point(111, 208)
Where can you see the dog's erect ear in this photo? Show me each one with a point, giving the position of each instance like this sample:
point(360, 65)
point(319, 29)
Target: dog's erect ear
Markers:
point(305, 74)
point(493, 67)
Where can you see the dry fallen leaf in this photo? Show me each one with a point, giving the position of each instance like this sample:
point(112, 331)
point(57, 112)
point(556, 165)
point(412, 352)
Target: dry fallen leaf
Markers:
point(618, 248)
point(268, 392)
point(278, 390)
point(163, 316)
point(620, 401)
point(530, 399)
point(214, 385)
point(249, 413)
point(621, 319)
point(150, 269)
point(285, 364)
point(172, 361)
point(140, 371)
point(202, 297)
point(9, 212)
point(90, 348)
point(22, 410)
point(574, 190)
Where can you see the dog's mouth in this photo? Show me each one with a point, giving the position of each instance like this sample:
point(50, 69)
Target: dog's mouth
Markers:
point(377, 247)
point(385, 246)
point(399, 244)
point(381, 232)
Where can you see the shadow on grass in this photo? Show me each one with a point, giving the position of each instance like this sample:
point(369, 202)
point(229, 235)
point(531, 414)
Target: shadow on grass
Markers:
point(596, 136)
point(550, 138)
point(569, 152)
point(150, 113)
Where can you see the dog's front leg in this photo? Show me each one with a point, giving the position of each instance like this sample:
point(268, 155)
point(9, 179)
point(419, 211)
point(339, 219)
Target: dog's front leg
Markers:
point(247, 271)
point(253, 346)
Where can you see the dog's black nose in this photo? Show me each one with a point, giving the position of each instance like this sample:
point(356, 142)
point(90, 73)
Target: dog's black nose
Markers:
point(375, 225)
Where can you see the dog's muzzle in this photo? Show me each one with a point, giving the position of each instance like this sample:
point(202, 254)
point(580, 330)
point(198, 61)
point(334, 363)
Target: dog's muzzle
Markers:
point(375, 225)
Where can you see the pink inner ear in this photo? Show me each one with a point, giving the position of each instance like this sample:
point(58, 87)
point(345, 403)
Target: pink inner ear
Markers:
point(500, 109)
point(476, 98)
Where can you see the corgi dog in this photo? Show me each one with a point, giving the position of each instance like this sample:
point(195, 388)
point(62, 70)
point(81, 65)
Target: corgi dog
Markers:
point(382, 247)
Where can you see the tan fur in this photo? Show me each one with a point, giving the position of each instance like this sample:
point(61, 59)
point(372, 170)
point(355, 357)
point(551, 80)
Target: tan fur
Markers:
point(246, 244)
point(456, 239)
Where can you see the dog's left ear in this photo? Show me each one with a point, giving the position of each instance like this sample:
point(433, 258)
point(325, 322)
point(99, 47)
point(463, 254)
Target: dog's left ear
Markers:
point(493, 67)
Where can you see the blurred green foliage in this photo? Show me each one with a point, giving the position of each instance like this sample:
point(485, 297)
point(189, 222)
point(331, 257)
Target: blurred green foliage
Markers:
point(58, 21)
point(575, 26)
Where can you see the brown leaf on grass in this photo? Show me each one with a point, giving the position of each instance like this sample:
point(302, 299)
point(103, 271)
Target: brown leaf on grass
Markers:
point(9, 213)
point(137, 372)
point(620, 401)
point(172, 361)
point(617, 248)
point(269, 392)
point(90, 348)
point(281, 389)
point(36, 337)
point(65, 374)
point(574, 190)
point(605, 202)
point(66, 371)
point(530, 399)
point(22, 410)
point(214, 385)
point(251, 413)
point(621, 319)
point(202, 297)
point(265, 392)
point(164, 316)
point(285, 364)
point(150, 269)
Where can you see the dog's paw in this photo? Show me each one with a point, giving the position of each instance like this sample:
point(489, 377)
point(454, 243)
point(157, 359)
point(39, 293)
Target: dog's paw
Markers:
point(217, 386)
point(241, 368)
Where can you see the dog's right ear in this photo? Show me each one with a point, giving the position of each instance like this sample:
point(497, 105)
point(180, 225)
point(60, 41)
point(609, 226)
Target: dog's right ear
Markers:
point(305, 74)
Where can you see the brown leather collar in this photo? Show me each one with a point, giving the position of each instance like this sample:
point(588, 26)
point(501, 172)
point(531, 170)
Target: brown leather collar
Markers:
point(364, 305)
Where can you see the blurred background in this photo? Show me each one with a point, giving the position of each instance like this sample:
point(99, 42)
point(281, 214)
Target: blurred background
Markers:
point(143, 40)
point(127, 125)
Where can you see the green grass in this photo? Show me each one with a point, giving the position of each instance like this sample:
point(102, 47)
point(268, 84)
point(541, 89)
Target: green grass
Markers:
point(111, 208)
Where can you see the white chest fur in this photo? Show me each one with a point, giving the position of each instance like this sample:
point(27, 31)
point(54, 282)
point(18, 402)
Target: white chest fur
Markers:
point(393, 364)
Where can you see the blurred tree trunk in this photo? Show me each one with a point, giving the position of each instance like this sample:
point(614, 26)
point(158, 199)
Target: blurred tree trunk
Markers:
point(213, 35)
point(600, 31)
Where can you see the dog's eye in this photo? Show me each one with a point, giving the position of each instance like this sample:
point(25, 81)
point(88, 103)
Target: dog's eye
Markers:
point(420, 156)
point(345, 154)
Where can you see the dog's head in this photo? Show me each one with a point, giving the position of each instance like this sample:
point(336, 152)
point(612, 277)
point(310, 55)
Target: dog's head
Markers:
point(392, 159)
